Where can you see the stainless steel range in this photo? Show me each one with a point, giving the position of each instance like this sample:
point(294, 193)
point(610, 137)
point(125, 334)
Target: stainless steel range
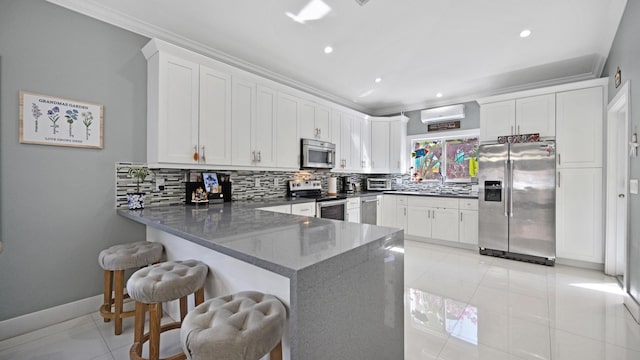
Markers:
point(327, 206)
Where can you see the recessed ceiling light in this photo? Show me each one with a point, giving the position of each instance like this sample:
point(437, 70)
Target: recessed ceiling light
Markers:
point(439, 95)
point(328, 50)
point(378, 80)
point(525, 33)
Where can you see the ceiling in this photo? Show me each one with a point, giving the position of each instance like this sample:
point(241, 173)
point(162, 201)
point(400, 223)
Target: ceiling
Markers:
point(463, 49)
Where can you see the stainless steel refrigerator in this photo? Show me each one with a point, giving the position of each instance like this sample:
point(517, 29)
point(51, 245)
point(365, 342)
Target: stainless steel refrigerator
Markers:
point(517, 201)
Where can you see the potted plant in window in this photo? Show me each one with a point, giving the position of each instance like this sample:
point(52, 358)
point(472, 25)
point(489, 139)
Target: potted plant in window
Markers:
point(136, 200)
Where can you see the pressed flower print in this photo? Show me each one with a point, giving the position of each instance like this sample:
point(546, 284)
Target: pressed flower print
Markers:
point(72, 115)
point(35, 110)
point(87, 120)
point(54, 116)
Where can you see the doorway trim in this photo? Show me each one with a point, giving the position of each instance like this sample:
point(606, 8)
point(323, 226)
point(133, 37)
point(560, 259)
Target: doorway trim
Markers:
point(618, 119)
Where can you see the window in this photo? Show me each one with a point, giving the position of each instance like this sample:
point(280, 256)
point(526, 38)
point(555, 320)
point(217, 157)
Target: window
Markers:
point(454, 157)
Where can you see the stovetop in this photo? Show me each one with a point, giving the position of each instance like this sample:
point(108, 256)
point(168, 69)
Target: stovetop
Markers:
point(311, 189)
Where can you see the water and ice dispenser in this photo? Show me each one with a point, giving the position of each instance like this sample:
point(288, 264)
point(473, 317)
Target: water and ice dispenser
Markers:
point(493, 191)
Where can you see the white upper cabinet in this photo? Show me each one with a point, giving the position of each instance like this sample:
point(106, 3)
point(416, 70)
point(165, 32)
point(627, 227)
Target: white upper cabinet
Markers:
point(173, 110)
point(215, 117)
point(536, 114)
point(397, 145)
point(287, 141)
point(265, 127)
point(365, 138)
point(380, 145)
point(527, 115)
point(243, 115)
point(580, 128)
point(355, 144)
point(497, 119)
point(315, 121)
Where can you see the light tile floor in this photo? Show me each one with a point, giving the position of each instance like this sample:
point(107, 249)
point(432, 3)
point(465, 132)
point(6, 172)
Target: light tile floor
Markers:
point(458, 305)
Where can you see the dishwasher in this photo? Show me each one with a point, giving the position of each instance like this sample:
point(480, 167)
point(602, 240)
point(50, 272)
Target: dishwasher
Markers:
point(369, 209)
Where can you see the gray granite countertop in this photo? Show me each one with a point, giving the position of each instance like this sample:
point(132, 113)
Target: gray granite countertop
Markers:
point(281, 243)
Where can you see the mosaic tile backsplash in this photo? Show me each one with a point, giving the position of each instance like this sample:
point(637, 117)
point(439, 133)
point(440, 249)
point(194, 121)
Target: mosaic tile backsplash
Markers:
point(273, 184)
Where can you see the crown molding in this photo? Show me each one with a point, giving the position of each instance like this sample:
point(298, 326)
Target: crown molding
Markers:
point(127, 22)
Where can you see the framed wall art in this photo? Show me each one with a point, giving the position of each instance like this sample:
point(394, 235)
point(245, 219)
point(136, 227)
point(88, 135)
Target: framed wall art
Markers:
point(49, 120)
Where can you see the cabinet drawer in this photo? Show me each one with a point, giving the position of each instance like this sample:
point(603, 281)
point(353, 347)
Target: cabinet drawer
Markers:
point(434, 202)
point(468, 204)
point(401, 200)
point(305, 209)
point(353, 203)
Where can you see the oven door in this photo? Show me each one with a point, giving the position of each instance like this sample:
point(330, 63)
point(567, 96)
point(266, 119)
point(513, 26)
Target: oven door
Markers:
point(335, 209)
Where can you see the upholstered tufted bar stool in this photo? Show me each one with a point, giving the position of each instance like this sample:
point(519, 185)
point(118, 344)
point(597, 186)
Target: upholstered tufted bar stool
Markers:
point(242, 326)
point(115, 260)
point(155, 284)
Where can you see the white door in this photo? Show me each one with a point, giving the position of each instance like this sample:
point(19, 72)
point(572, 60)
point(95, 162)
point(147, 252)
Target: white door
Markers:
point(397, 135)
point(178, 123)
point(380, 145)
point(617, 198)
point(355, 144)
point(497, 119)
point(215, 117)
point(389, 211)
point(336, 137)
point(536, 114)
point(308, 120)
point(365, 138)
point(242, 115)
point(469, 227)
point(346, 142)
point(287, 140)
point(323, 123)
point(579, 128)
point(419, 221)
point(445, 224)
point(265, 127)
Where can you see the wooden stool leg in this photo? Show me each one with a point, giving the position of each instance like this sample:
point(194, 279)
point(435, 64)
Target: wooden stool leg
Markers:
point(107, 292)
point(118, 283)
point(183, 308)
point(155, 315)
point(138, 331)
point(199, 298)
point(276, 353)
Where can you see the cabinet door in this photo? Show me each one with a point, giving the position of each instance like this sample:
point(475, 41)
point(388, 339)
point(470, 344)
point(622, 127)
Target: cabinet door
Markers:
point(579, 128)
point(497, 119)
point(323, 123)
point(389, 211)
point(365, 138)
point(336, 137)
point(419, 221)
point(308, 120)
point(215, 117)
point(579, 215)
point(242, 114)
point(353, 215)
point(347, 147)
point(536, 114)
point(178, 117)
point(380, 145)
point(402, 220)
point(379, 210)
point(355, 144)
point(264, 129)
point(287, 140)
point(469, 227)
point(445, 224)
point(397, 136)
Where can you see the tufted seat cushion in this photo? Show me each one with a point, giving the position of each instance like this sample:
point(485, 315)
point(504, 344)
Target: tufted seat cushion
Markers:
point(127, 256)
point(246, 325)
point(167, 281)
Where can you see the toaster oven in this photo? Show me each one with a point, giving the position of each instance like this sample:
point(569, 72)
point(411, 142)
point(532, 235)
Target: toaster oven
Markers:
point(378, 184)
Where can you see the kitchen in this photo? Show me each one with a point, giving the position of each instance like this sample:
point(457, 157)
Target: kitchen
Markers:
point(127, 103)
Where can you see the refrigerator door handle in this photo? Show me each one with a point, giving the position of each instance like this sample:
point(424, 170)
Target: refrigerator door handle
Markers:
point(504, 188)
point(511, 188)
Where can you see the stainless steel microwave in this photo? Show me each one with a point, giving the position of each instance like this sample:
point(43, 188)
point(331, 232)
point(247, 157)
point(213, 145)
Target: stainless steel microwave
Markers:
point(315, 154)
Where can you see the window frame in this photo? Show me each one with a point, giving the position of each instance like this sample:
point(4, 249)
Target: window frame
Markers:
point(443, 136)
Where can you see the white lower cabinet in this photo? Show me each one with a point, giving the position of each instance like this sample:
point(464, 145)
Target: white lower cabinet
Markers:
point(305, 209)
point(433, 218)
point(469, 227)
point(353, 210)
point(394, 211)
point(579, 217)
point(285, 209)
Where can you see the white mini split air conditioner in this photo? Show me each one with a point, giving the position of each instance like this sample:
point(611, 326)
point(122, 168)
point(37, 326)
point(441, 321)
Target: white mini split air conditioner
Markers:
point(444, 113)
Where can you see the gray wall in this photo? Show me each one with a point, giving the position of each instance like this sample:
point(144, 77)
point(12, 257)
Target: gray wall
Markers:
point(471, 120)
point(57, 203)
point(625, 53)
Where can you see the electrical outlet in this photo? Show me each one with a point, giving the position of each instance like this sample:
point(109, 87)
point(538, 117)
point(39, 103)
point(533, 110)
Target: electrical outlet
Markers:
point(398, 181)
point(159, 184)
point(257, 183)
point(633, 186)
point(276, 182)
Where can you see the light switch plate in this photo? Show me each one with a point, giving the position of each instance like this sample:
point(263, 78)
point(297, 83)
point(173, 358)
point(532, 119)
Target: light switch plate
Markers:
point(258, 182)
point(159, 184)
point(398, 181)
point(633, 186)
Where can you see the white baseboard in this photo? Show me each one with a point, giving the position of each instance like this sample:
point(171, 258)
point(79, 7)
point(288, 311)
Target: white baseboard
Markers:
point(29, 322)
point(633, 307)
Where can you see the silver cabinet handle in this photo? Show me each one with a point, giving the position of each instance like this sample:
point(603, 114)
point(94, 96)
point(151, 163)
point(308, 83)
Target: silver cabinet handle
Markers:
point(460, 217)
point(320, 132)
point(253, 156)
point(559, 160)
point(373, 164)
point(558, 178)
point(259, 156)
point(405, 211)
point(196, 156)
point(202, 156)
